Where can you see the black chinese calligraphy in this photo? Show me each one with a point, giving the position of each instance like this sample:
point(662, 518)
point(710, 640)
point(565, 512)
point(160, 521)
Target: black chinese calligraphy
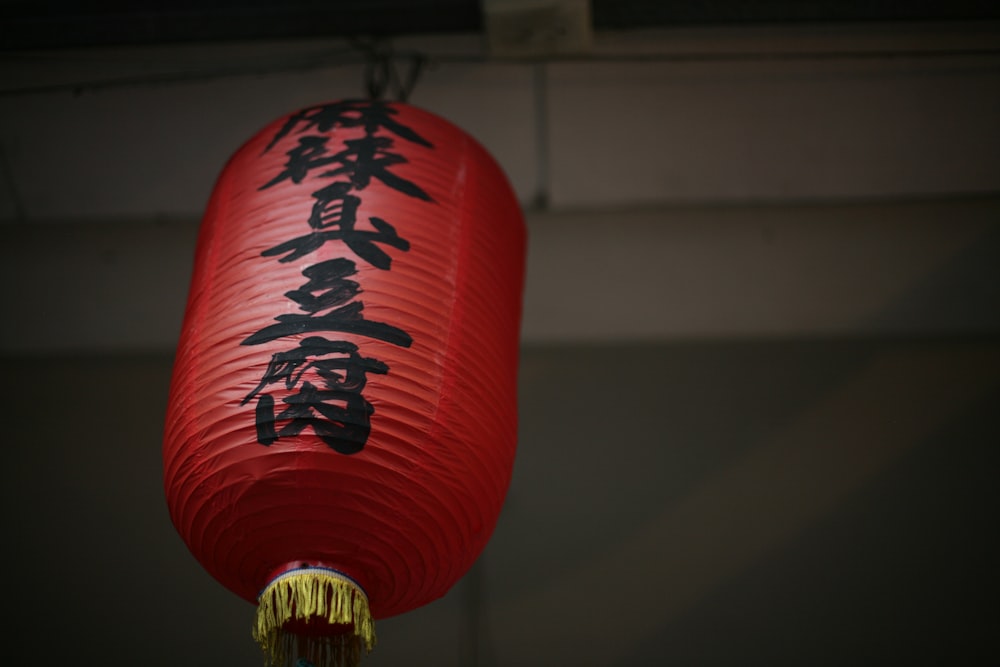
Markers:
point(323, 378)
point(334, 215)
point(328, 287)
point(338, 413)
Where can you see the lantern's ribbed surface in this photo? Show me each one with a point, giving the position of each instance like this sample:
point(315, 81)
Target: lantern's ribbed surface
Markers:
point(407, 514)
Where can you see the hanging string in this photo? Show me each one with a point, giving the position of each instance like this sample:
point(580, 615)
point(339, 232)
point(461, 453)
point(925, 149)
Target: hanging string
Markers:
point(416, 63)
point(378, 74)
point(382, 76)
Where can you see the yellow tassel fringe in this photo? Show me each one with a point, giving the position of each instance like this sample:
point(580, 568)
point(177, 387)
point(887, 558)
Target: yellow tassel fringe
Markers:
point(313, 595)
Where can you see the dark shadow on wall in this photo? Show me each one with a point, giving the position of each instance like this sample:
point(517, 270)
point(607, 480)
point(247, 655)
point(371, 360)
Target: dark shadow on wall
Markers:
point(725, 502)
point(959, 297)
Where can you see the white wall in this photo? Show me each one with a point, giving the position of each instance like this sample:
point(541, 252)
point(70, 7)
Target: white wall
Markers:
point(721, 182)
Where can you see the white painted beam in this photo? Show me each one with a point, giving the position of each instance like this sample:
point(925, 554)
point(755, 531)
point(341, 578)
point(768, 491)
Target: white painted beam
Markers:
point(648, 118)
point(904, 268)
point(866, 269)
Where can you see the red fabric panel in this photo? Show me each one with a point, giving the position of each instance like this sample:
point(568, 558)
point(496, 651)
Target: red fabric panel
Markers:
point(358, 261)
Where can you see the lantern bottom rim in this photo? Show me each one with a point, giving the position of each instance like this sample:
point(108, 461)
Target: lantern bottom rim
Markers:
point(301, 567)
point(313, 610)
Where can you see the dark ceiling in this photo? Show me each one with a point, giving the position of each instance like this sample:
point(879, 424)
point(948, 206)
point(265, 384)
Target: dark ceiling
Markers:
point(35, 24)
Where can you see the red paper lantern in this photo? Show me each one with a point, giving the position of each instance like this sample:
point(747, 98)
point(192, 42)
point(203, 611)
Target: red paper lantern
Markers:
point(342, 418)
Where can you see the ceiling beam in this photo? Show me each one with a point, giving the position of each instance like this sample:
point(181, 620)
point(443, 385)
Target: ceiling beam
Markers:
point(45, 24)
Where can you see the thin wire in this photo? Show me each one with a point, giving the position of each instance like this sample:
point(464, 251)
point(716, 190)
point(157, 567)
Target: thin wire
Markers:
point(352, 57)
